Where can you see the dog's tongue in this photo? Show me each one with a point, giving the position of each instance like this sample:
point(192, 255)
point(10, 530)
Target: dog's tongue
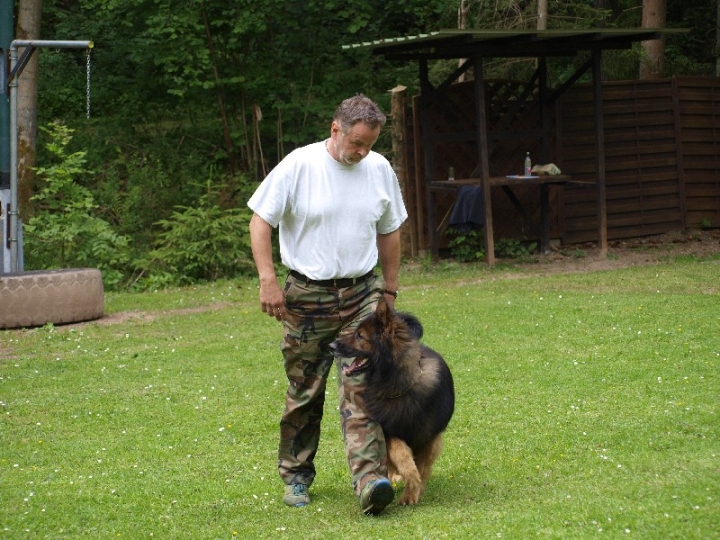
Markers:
point(354, 367)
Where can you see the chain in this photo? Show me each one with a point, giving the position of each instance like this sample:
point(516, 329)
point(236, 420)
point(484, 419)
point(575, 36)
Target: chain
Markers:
point(87, 99)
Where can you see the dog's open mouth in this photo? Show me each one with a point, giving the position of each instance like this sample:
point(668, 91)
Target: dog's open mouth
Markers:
point(354, 367)
point(353, 360)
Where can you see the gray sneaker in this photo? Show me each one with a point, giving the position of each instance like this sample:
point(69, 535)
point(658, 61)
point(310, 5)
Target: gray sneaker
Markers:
point(376, 495)
point(296, 495)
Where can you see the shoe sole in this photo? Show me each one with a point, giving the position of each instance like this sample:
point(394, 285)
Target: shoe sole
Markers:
point(382, 494)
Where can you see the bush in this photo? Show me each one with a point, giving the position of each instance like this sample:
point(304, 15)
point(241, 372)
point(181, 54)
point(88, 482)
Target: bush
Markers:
point(467, 246)
point(510, 248)
point(199, 243)
point(64, 232)
point(470, 246)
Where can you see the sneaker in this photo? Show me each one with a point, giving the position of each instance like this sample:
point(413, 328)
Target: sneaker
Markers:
point(296, 495)
point(376, 495)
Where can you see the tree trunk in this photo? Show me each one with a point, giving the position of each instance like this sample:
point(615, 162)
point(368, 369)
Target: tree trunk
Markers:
point(463, 11)
point(219, 96)
point(542, 15)
point(717, 41)
point(653, 59)
point(28, 27)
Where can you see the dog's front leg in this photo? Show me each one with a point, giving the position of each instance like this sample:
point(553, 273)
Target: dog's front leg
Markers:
point(401, 457)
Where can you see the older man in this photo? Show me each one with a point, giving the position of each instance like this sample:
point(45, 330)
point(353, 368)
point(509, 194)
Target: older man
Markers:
point(339, 208)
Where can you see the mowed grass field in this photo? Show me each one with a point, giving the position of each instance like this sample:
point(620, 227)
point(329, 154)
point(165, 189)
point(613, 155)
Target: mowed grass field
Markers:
point(587, 407)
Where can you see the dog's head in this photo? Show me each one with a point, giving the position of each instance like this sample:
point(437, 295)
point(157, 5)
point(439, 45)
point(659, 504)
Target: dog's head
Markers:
point(381, 339)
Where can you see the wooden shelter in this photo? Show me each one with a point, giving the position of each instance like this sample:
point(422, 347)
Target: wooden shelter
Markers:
point(475, 46)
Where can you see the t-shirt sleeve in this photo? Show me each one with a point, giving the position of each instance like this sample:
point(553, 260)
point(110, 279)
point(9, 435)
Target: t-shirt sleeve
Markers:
point(395, 213)
point(270, 199)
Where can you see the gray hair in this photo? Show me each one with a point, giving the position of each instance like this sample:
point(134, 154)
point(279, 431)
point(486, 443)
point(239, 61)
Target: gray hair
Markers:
point(359, 108)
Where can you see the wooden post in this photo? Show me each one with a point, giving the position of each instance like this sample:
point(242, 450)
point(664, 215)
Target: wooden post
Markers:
point(398, 106)
point(419, 180)
point(428, 155)
point(600, 151)
point(482, 152)
point(677, 117)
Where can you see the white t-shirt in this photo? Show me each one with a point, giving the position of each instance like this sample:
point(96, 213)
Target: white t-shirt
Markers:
point(329, 213)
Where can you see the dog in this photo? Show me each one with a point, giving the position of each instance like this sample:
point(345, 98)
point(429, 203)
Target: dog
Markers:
point(410, 392)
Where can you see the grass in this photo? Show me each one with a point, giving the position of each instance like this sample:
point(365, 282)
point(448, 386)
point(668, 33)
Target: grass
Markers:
point(586, 408)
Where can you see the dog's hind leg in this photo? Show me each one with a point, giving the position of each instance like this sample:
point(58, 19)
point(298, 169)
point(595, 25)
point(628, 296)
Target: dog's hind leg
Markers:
point(426, 457)
point(401, 457)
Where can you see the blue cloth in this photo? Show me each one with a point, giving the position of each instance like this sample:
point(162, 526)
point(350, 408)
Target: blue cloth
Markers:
point(468, 213)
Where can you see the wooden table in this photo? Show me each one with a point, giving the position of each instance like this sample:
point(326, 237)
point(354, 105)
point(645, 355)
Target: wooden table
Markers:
point(506, 183)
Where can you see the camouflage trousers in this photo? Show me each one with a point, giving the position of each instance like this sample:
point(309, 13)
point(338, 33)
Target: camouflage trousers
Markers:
point(315, 316)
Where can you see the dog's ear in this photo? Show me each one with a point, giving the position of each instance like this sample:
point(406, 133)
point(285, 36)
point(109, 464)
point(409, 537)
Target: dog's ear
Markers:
point(383, 312)
point(413, 324)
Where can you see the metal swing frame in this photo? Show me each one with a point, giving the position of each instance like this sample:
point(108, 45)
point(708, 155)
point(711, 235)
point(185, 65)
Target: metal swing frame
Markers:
point(14, 240)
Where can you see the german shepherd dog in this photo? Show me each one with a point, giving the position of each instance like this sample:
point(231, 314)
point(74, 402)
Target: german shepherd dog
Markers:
point(410, 392)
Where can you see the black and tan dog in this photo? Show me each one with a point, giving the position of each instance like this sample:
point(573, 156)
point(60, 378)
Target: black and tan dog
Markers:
point(410, 392)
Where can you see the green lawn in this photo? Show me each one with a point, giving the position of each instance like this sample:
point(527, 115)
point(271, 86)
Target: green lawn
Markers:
point(587, 407)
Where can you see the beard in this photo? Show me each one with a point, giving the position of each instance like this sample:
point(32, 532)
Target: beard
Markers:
point(347, 159)
point(343, 156)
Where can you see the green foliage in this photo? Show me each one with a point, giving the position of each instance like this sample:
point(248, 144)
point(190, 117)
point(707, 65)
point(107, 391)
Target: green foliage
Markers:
point(203, 242)
point(470, 246)
point(179, 88)
point(467, 247)
point(514, 249)
point(65, 232)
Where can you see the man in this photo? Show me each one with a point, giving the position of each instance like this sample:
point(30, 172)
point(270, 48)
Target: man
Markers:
point(339, 207)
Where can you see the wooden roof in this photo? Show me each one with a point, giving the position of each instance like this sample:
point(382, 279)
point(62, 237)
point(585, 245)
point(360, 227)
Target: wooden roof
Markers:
point(454, 43)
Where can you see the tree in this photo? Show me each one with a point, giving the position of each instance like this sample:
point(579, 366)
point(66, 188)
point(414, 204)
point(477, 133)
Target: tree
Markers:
point(542, 15)
point(28, 27)
point(717, 41)
point(653, 58)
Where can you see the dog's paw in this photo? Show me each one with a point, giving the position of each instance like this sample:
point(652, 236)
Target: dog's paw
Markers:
point(409, 498)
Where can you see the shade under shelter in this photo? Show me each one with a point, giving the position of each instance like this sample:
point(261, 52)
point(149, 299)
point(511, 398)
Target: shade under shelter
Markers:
point(473, 47)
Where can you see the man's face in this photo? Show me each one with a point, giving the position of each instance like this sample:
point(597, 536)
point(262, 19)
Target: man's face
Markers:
point(353, 145)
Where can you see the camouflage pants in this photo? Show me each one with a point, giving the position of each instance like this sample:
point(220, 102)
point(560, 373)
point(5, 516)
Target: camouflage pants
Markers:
point(315, 316)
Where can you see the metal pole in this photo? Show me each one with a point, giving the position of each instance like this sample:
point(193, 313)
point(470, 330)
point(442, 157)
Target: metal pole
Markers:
point(7, 25)
point(15, 263)
point(54, 44)
point(13, 211)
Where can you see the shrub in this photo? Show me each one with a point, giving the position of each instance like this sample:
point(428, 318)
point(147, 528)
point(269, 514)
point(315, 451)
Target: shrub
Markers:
point(199, 243)
point(514, 249)
point(467, 246)
point(64, 232)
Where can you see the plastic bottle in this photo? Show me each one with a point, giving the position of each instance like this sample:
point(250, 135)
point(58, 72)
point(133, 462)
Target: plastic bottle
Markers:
point(451, 174)
point(528, 165)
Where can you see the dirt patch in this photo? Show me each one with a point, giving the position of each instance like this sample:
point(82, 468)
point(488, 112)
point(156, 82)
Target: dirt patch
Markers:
point(149, 316)
point(624, 253)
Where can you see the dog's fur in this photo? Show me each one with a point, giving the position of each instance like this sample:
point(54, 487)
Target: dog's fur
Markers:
point(410, 392)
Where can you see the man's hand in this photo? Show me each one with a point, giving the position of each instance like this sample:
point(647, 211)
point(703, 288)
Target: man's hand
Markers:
point(272, 300)
point(272, 297)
